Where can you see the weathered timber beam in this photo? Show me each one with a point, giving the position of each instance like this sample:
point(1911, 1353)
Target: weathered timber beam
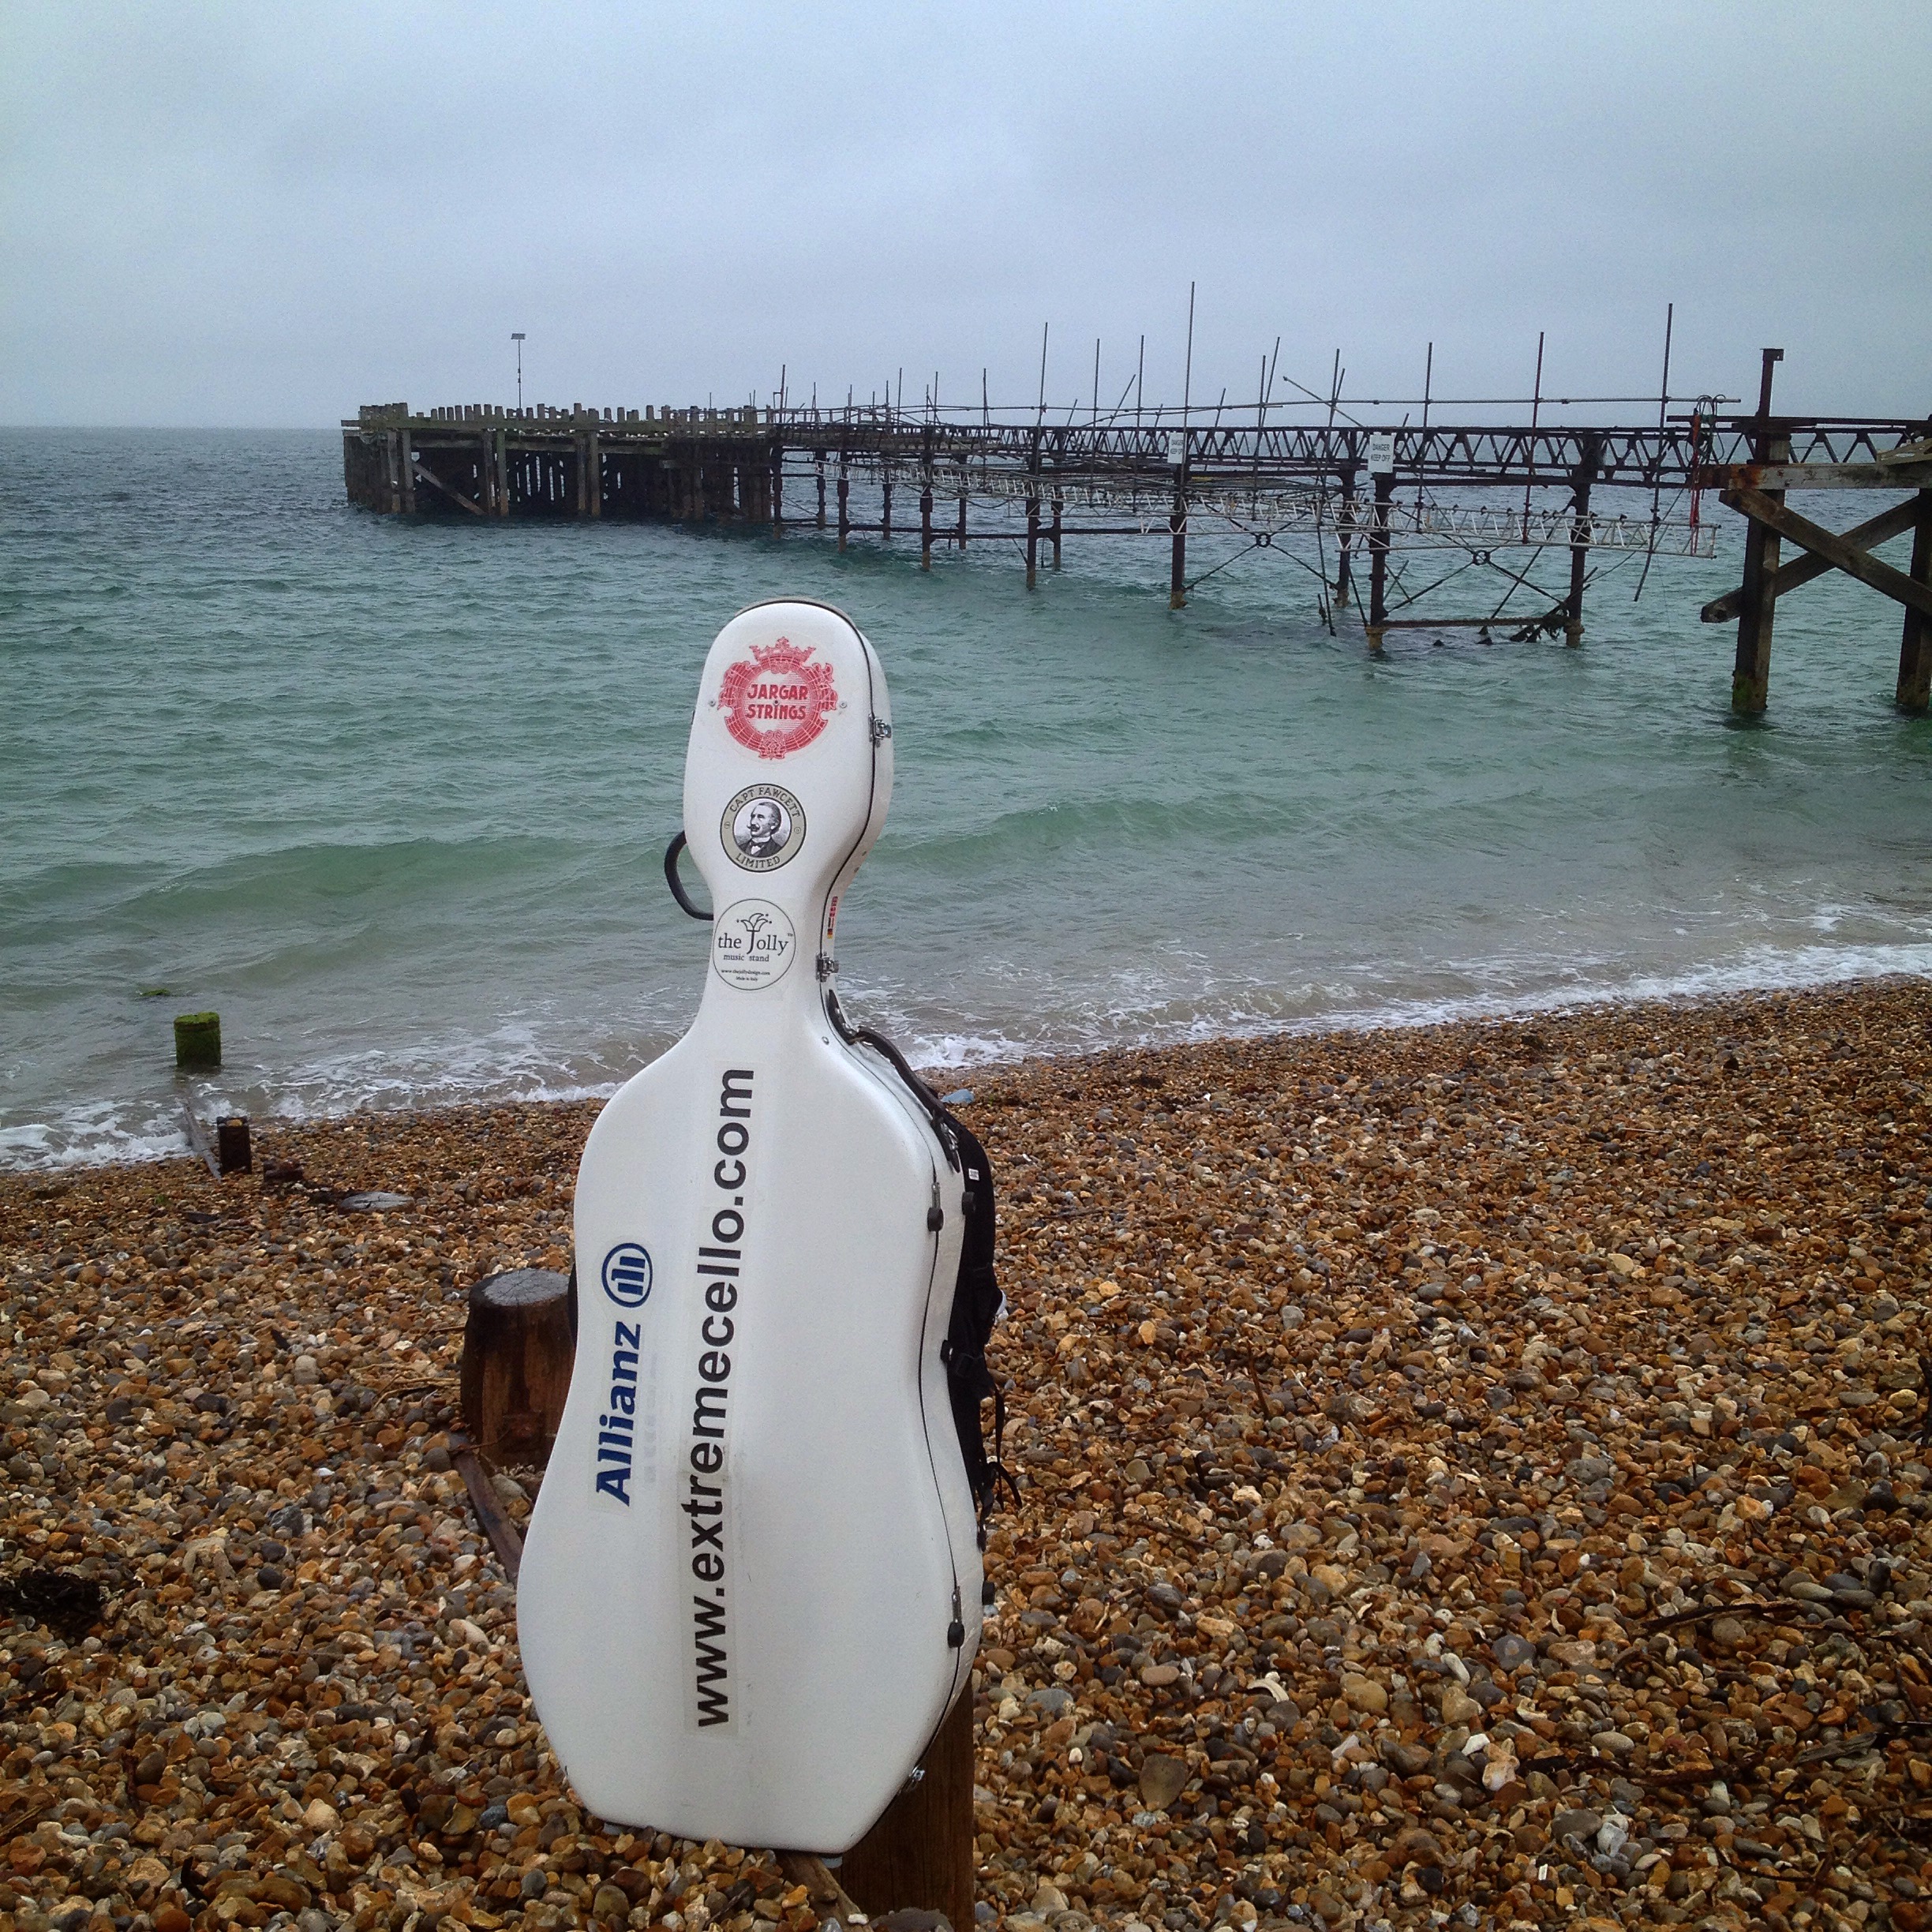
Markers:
point(1156, 529)
point(1834, 549)
point(436, 482)
point(1804, 569)
point(198, 1139)
point(504, 1537)
point(807, 1869)
point(1547, 620)
point(1915, 472)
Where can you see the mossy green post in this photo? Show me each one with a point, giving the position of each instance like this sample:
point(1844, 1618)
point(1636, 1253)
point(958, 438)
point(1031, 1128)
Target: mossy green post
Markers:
point(197, 1040)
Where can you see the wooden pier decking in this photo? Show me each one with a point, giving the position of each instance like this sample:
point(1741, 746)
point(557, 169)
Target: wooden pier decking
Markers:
point(1358, 493)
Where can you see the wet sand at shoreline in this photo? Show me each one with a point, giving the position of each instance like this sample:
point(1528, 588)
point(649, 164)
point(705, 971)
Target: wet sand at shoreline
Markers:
point(1472, 1470)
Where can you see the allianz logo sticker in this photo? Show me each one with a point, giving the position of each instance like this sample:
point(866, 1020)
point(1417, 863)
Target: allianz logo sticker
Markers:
point(626, 1431)
point(627, 1274)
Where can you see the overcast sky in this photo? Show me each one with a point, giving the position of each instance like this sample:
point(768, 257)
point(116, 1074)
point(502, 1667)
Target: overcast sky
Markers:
point(263, 213)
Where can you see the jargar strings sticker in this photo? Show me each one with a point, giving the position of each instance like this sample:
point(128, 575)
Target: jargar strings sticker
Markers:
point(762, 828)
point(777, 701)
point(752, 943)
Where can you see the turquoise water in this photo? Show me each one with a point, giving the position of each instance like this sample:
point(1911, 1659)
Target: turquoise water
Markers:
point(393, 799)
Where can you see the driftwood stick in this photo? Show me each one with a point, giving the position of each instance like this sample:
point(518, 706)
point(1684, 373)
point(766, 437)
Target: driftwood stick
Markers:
point(13, 1827)
point(1678, 1620)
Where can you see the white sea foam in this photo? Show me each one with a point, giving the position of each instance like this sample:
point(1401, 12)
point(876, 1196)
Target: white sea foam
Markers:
point(512, 1066)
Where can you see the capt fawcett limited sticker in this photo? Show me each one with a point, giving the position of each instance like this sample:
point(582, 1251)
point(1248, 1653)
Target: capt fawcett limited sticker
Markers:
point(763, 827)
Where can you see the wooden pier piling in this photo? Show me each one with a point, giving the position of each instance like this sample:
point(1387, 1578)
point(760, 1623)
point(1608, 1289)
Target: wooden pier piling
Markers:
point(1378, 558)
point(1176, 525)
point(1345, 533)
point(1750, 675)
point(1914, 675)
point(197, 1041)
point(1579, 544)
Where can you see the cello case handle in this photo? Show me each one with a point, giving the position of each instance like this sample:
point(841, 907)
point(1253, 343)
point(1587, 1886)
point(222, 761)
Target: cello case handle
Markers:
point(676, 884)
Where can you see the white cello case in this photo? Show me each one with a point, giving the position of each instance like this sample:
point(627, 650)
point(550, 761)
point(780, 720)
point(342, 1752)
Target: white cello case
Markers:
point(751, 1590)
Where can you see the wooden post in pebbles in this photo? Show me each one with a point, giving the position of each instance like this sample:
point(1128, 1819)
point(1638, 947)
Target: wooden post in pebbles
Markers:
point(516, 1363)
point(920, 1853)
point(232, 1152)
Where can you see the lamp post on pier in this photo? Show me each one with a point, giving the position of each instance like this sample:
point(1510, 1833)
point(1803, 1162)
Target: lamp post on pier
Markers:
point(516, 336)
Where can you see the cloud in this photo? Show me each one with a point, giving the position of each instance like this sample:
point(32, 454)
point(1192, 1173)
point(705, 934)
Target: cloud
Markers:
point(228, 213)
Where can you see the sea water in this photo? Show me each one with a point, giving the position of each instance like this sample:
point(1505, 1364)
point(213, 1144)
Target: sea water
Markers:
point(393, 797)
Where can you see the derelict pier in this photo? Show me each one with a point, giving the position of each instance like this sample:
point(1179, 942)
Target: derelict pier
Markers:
point(1364, 497)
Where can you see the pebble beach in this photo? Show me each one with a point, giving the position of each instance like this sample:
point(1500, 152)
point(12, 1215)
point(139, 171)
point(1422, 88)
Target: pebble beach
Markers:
point(1469, 1476)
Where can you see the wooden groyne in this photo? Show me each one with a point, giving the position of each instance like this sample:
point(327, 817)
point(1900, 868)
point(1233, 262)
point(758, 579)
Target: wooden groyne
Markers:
point(1501, 500)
